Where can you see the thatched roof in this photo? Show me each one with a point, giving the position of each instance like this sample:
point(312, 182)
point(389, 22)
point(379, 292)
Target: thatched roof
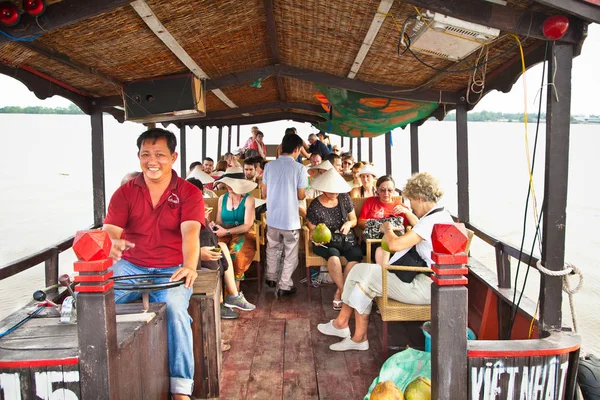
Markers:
point(87, 50)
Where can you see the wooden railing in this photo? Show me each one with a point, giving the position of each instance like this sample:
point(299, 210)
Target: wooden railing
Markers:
point(48, 256)
point(503, 252)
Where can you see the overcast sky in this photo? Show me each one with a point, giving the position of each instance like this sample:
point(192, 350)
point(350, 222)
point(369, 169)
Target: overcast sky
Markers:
point(586, 87)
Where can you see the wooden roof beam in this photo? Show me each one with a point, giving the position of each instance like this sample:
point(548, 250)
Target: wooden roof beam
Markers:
point(234, 112)
point(375, 89)
point(521, 22)
point(146, 13)
point(272, 34)
point(60, 14)
point(66, 60)
point(382, 10)
point(44, 88)
point(585, 11)
point(254, 119)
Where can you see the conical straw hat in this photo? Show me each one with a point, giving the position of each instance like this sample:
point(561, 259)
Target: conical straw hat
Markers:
point(331, 182)
point(239, 186)
point(200, 175)
point(324, 165)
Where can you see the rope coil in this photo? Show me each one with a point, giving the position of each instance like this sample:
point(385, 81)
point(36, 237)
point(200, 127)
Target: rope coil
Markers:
point(567, 270)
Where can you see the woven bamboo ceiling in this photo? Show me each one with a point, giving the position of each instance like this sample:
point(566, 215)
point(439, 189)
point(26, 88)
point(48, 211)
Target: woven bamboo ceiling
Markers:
point(88, 49)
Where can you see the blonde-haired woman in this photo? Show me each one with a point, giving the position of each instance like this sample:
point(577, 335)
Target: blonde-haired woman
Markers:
point(364, 282)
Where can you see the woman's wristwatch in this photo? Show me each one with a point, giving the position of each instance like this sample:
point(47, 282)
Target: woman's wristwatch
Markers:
point(228, 232)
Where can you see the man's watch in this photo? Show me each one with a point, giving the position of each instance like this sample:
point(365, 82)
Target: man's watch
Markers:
point(228, 232)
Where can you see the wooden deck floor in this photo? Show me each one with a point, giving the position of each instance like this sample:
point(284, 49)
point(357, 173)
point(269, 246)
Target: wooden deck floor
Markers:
point(277, 352)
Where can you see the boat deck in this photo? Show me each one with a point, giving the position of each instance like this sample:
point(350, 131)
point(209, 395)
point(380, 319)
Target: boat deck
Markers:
point(277, 352)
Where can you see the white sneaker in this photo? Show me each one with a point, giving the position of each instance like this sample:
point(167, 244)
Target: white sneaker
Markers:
point(348, 344)
point(330, 330)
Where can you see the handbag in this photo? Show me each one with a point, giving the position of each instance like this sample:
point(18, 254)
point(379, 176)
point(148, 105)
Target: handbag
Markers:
point(339, 240)
point(373, 227)
point(343, 242)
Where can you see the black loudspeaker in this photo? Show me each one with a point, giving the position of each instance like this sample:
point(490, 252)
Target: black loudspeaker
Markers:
point(165, 99)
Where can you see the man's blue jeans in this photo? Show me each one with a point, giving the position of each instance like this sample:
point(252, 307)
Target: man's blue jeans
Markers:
point(181, 355)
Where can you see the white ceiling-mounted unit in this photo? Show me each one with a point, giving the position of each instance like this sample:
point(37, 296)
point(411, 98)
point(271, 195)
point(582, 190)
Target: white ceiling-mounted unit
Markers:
point(438, 35)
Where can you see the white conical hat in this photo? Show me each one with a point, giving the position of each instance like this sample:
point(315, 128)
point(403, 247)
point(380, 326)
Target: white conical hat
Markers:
point(368, 169)
point(331, 182)
point(200, 175)
point(325, 165)
point(259, 202)
point(239, 186)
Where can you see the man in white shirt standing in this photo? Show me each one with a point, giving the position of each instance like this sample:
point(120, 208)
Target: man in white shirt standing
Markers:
point(284, 184)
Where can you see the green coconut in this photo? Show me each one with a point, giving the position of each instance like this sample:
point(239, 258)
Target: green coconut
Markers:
point(419, 389)
point(321, 234)
point(386, 391)
point(384, 245)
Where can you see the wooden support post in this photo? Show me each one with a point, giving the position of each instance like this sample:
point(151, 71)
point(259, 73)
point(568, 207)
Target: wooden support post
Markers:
point(388, 153)
point(98, 185)
point(182, 151)
point(359, 146)
point(51, 268)
point(555, 185)
point(203, 143)
point(414, 148)
point(229, 139)
point(449, 374)
point(341, 141)
point(462, 157)
point(96, 318)
point(238, 136)
point(370, 149)
point(351, 145)
point(219, 142)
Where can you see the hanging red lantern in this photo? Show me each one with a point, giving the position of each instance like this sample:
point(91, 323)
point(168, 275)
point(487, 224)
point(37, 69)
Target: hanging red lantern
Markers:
point(9, 14)
point(555, 27)
point(34, 7)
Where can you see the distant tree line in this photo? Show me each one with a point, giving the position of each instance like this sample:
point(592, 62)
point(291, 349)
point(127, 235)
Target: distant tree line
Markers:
point(487, 116)
point(72, 109)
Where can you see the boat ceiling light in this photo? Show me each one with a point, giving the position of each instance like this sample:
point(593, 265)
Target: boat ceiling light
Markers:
point(34, 7)
point(446, 37)
point(9, 14)
point(555, 27)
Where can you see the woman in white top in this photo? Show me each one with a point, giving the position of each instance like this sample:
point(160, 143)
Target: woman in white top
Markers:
point(413, 248)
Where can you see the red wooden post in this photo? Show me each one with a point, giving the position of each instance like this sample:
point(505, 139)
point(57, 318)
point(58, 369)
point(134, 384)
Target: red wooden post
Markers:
point(449, 373)
point(96, 325)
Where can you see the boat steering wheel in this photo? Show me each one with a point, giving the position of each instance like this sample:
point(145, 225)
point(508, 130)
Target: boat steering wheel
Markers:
point(144, 283)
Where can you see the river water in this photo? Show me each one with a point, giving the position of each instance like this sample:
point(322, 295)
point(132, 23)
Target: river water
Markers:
point(45, 181)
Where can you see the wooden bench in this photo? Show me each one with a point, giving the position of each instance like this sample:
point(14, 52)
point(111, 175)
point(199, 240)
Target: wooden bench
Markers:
point(206, 330)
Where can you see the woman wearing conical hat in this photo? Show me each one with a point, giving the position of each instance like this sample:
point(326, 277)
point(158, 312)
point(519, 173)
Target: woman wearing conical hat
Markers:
point(235, 220)
point(334, 208)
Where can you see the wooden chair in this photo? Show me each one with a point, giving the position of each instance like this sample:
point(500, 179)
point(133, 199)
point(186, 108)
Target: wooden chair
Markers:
point(313, 260)
point(392, 310)
point(258, 228)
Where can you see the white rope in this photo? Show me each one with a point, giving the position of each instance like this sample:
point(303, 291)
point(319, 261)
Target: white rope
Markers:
point(567, 270)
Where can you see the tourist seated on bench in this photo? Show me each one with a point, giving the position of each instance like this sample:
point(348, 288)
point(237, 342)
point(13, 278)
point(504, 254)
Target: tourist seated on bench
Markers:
point(334, 208)
point(214, 259)
point(414, 248)
point(235, 221)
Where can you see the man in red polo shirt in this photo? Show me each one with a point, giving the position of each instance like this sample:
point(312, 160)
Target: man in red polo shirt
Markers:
point(154, 221)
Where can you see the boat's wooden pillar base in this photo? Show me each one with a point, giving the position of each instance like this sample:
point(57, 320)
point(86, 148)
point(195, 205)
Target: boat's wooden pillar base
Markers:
point(206, 329)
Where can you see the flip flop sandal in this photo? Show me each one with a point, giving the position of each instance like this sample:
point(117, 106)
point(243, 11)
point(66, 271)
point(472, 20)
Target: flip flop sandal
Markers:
point(337, 305)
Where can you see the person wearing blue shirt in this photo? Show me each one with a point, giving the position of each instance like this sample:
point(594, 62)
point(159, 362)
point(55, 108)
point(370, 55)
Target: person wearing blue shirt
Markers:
point(283, 184)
